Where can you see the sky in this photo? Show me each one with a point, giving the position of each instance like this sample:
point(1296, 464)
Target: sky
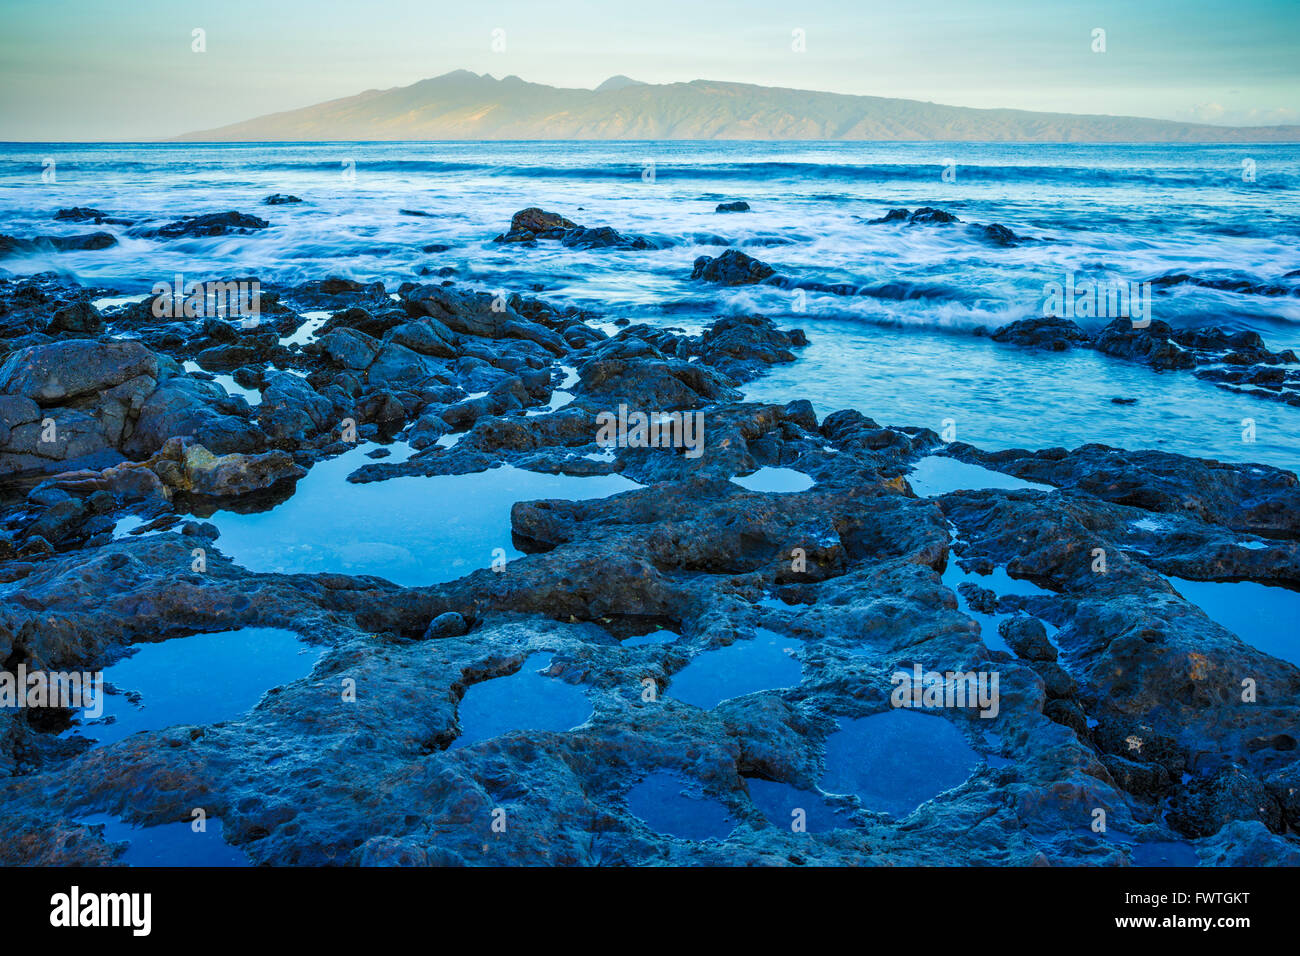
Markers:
point(127, 70)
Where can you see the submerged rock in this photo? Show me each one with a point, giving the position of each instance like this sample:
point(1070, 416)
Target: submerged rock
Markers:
point(930, 216)
point(12, 245)
point(733, 267)
point(926, 215)
point(1053, 334)
point(1232, 359)
point(87, 214)
point(529, 225)
point(212, 224)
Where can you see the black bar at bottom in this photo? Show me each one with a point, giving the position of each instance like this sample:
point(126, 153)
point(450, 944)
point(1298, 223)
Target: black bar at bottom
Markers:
point(302, 905)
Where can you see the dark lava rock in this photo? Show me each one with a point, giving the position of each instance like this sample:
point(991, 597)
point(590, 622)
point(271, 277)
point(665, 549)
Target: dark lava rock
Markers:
point(629, 370)
point(1241, 284)
point(529, 225)
point(926, 215)
point(1067, 713)
point(213, 224)
point(78, 316)
point(1233, 359)
point(1204, 805)
point(339, 292)
point(35, 546)
point(1151, 345)
point(1027, 637)
point(280, 199)
point(79, 214)
point(1056, 681)
point(1284, 785)
point(1148, 781)
point(535, 220)
point(1053, 334)
point(603, 238)
point(731, 268)
point(59, 521)
point(930, 216)
point(999, 235)
point(1253, 498)
point(306, 777)
point(11, 245)
point(479, 314)
point(51, 374)
point(743, 347)
point(738, 205)
point(86, 214)
point(894, 215)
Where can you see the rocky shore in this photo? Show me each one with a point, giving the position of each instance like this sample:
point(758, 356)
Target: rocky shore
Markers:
point(1120, 700)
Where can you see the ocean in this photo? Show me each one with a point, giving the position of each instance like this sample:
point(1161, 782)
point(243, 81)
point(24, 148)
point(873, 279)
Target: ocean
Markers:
point(901, 351)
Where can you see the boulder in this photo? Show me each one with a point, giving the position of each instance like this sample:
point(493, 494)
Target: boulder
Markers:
point(1050, 333)
point(55, 373)
point(1027, 637)
point(212, 224)
point(731, 268)
point(203, 473)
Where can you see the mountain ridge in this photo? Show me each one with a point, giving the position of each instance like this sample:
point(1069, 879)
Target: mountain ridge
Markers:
point(462, 105)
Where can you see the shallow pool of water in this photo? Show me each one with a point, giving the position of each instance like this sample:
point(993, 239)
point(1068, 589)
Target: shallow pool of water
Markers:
point(1264, 616)
point(306, 332)
point(1166, 853)
point(233, 388)
point(784, 805)
point(939, 475)
point(766, 661)
point(169, 844)
point(669, 805)
point(1001, 584)
point(770, 479)
point(661, 636)
point(560, 395)
point(1000, 397)
point(199, 679)
point(129, 523)
point(524, 700)
point(412, 530)
point(116, 301)
point(897, 760)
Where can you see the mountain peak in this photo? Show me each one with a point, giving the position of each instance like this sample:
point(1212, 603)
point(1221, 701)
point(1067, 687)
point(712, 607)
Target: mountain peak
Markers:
point(618, 82)
point(460, 75)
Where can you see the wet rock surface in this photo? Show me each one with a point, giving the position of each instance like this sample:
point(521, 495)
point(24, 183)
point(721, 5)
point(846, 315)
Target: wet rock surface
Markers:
point(212, 224)
point(16, 245)
point(994, 234)
point(529, 225)
point(1237, 360)
point(124, 448)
